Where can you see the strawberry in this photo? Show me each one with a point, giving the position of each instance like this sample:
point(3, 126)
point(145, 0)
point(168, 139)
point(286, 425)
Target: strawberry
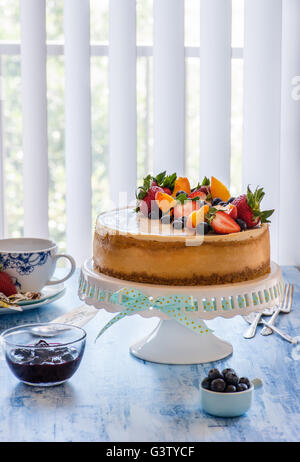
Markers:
point(221, 222)
point(248, 208)
point(185, 209)
point(231, 209)
point(148, 202)
point(6, 285)
point(167, 191)
point(202, 195)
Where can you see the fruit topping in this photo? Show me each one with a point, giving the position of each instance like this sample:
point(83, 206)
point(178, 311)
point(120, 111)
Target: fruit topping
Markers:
point(164, 201)
point(179, 223)
point(197, 216)
point(198, 194)
point(248, 207)
point(216, 201)
point(241, 223)
point(221, 222)
point(7, 286)
point(227, 381)
point(231, 209)
point(182, 184)
point(155, 213)
point(185, 209)
point(218, 189)
point(202, 228)
point(166, 219)
point(179, 193)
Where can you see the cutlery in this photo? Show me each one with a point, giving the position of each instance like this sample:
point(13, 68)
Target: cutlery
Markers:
point(285, 307)
point(275, 329)
point(254, 319)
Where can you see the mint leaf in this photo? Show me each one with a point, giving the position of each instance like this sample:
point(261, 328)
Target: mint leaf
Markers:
point(206, 181)
point(181, 198)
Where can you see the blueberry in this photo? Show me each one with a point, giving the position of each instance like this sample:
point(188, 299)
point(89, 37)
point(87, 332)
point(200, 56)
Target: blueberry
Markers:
point(202, 228)
point(181, 192)
point(179, 223)
point(216, 201)
point(166, 219)
point(241, 387)
point(223, 203)
point(155, 214)
point(231, 379)
point(227, 370)
point(246, 381)
point(241, 223)
point(206, 383)
point(214, 374)
point(230, 200)
point(230, 389)
point(218, 385)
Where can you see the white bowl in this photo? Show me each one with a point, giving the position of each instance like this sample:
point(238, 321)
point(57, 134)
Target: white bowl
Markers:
point(228, 404)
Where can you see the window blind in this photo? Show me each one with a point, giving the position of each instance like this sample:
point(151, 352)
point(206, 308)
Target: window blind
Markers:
point(215, 84)
point(34, 108)
point(78, 127)
point(262, 90)
point(271, 139)
point(169, 89)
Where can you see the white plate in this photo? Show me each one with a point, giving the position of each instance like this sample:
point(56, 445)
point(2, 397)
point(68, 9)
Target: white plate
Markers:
point(37, 303)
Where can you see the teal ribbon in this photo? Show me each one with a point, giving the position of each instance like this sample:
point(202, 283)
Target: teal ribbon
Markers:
point(135, 302)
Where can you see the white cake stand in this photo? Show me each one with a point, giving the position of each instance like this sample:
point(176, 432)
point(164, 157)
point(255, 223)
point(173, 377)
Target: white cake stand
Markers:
point(170, 342)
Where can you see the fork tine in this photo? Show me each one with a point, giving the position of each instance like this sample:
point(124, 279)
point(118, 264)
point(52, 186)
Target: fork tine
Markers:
point(291, 298)
point(284, 298)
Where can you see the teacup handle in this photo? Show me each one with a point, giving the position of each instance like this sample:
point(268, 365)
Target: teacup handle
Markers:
point(72, 269)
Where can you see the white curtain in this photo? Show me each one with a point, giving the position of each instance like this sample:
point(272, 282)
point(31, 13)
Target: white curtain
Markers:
point(271, 155)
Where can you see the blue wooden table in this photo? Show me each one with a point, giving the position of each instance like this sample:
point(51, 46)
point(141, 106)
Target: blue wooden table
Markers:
point(116, 397)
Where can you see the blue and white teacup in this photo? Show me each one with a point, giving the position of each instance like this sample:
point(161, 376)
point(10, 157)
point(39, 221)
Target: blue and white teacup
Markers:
point(31, 262)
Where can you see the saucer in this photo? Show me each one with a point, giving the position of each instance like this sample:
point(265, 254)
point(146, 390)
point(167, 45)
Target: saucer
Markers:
point(47, 292)
point(49, 295)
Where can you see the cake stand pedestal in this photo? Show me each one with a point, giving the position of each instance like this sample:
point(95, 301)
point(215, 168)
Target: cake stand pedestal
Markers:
point(170, 342)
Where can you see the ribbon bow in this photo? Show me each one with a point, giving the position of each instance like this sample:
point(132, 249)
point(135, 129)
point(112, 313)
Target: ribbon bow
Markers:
point(135, 302)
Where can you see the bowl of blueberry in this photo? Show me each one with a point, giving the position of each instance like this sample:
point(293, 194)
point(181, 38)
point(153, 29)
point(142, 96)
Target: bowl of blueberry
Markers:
point(44, 354)
point(225, 394)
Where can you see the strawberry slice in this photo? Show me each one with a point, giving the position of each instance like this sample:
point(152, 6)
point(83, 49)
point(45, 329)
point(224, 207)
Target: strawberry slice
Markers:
point(221, 222)
point(6, 285)
point(198, 193)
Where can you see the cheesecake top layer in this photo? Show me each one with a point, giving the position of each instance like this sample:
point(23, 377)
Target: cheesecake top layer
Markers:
point(127, 222)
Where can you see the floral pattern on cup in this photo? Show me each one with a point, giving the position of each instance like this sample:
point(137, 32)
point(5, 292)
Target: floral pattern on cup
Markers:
point(24, 263)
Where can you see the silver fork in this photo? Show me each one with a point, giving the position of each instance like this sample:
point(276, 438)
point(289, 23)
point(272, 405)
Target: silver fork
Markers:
point(285, 307)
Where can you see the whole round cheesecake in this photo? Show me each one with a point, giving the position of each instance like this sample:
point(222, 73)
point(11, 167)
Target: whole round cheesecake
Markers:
point(130, 246)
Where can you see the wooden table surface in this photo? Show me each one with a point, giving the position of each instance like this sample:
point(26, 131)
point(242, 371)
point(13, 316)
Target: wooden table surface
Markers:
point(115, 397)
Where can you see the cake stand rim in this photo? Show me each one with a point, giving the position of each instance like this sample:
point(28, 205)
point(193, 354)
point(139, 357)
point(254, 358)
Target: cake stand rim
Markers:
point(254, 283)
point(155, 290)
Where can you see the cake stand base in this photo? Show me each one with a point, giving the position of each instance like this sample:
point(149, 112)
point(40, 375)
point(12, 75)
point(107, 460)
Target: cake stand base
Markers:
point(172, 343)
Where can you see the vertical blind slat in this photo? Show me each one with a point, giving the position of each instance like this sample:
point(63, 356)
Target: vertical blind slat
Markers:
point(34, 111)
point(262, 87)
point(78, 127)
point(169, 86)
point(289, 223)
point(215, 88)
point(122, 103)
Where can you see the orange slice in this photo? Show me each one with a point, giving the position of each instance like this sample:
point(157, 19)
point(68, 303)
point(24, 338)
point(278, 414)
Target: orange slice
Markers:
point(196, 217)
point(164, 201)
point(218, 189)
point(182, 184)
